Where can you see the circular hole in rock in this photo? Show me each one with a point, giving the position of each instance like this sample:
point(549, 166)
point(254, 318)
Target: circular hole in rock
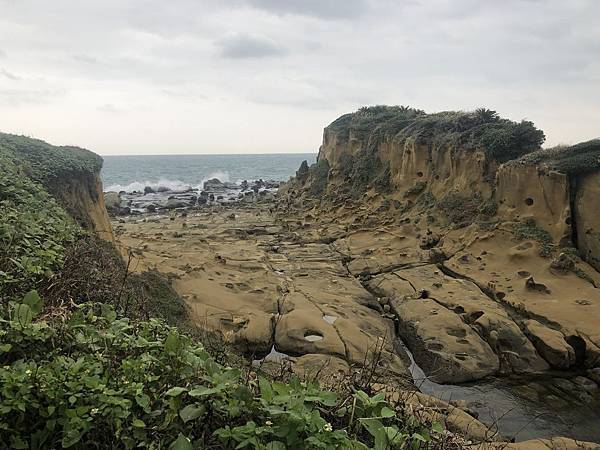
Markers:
point(419, 174)
point(311, 336)
point(568, 221)
point(529, 201)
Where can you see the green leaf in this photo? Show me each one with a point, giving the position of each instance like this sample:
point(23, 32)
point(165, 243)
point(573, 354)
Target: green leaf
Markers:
point(33, 300)
point(142, 400)
point(108, 312)
point(266, 392)
point(5, 348)
point(18, 443)
point(175, 391)
point(172, 342)
point(276, 445)
point(202, 391)
point(181, 443)
point(71, 438)
point(191, 412)
point(22, 314)
point(138, 423)
point(437, 427)
point(387, 412)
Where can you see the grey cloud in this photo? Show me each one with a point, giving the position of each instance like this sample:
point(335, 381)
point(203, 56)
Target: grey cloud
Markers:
point(325, 9)
point(243, 46)
point(86, 59)
point(11, 76)
point(2, 53)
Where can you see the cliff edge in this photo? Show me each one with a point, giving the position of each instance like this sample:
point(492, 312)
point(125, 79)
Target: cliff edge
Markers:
point(483, 245)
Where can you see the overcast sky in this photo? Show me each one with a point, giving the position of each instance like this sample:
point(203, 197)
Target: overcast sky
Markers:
point(258, 76)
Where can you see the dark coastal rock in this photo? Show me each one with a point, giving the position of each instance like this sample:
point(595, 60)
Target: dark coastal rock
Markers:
point(149, 190)
point(173, 203)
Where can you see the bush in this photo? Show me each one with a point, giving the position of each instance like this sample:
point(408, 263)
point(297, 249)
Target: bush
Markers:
point(530, 230)
point(319, 177)
point(92, 380)
point(34, 231)
point(482, 129)
point(574, 160)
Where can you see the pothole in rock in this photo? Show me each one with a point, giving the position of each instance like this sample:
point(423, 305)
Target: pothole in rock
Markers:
point(273, 356)
point(329, 319)
point(313, 337)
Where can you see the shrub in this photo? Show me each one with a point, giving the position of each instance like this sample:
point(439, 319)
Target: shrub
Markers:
point(93, 380)
point(319, 176)
point(530, 230)
point(482, 129)
point(34, 231)
point(574, 160)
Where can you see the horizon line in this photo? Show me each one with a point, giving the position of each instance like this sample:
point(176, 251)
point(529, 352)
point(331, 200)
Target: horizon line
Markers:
point(210, 154)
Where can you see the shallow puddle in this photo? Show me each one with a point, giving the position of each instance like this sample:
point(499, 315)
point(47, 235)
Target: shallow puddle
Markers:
point(521, 409)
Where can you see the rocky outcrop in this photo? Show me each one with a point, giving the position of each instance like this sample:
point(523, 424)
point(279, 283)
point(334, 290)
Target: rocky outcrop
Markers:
point(482, 244)
point(587, 219)
point(70, 174)
point(83, 198)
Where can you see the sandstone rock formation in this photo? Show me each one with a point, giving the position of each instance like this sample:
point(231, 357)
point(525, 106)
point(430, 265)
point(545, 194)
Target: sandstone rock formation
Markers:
point(485, 245)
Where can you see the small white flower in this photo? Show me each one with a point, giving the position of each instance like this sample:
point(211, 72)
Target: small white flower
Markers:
point(94, 411)
point(268, 423)
point(28, 372)
point(327, 427)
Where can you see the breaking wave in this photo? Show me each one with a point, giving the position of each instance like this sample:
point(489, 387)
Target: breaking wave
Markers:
point(162, 183)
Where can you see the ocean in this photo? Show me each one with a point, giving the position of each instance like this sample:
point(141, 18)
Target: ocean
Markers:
point(180, 172)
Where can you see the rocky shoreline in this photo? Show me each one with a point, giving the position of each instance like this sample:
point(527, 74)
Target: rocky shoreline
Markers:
point(286, 289)
point(421, 250)
point(162, 198)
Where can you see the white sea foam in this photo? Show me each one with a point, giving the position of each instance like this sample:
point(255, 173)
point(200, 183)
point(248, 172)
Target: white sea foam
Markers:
point(172, 185)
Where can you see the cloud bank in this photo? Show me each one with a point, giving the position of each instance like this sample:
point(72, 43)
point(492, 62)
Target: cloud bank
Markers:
point(188, 76)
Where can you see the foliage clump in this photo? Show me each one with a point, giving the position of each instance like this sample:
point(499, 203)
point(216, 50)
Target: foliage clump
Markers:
point(463, 211)
point(530, 230)
point(91, 379)
point(47, 163)
point(482, 129)
point(574, 160)
point(34, 231)
point(319, 176)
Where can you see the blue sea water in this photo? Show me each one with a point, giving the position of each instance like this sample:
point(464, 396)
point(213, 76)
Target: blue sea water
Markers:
point(178, 172)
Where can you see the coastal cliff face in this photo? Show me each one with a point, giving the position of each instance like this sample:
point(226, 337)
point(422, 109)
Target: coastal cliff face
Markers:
point(70, 174)
point(82, 196)
point(47, 195)
point(491, 262)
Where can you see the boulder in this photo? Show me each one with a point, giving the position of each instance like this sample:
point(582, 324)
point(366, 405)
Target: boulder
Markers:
point(448, 350)
point(173, 203)
point(550, 344)
point(149, 190)
point(213, 184)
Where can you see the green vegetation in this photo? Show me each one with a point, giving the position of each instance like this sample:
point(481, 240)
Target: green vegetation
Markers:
point(575, 160)
point(46, 163)
point(319, 175)
point(530, 230)
point(86, 378)
point(482, 129)
point(462, 211)
point(89, 367)
point(34, 231)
